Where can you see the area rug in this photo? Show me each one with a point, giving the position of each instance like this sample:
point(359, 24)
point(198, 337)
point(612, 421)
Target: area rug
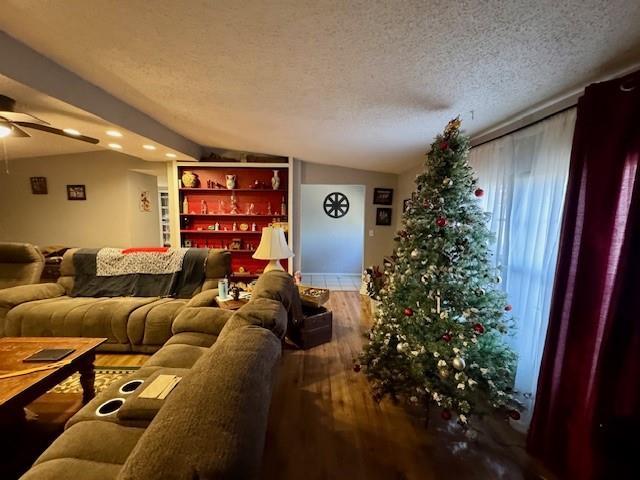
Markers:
point(105, 376)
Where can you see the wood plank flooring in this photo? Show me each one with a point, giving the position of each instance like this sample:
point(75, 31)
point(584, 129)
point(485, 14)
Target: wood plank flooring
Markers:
point(323, 423)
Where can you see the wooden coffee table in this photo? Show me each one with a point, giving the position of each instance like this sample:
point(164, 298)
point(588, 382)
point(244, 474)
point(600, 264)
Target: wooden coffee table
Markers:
point(18, 391)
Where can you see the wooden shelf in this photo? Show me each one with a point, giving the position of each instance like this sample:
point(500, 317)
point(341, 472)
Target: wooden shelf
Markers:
point(260, 215)
point(224, 232)
point(227, 190)
point(245, 275)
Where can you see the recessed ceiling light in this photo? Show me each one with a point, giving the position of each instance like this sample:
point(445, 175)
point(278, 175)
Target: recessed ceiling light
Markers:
point(4, 131)
point(117, 146)
point(149, 147)
point(114, 133)
point(71, 131)
point(170, 155)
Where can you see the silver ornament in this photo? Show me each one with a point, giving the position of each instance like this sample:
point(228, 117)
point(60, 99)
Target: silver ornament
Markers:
point(443, 373)
point(458, 363)
point(415, 253)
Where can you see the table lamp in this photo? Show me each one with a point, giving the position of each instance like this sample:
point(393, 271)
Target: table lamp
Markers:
point(273, 247)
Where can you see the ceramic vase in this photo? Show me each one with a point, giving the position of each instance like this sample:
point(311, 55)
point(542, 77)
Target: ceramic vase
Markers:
point(230, 181)
point(275, 180)
point(189, 179)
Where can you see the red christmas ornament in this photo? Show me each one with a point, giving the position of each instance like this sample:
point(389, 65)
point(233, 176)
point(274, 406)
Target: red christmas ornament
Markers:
point(445, 414)
point(479, 192)
point(408, 312)
point(514, 414)
point(508, 308)
point(444, 145)
point(357, 367)
point(446, 337)
point(478, 328)
point(441, 222)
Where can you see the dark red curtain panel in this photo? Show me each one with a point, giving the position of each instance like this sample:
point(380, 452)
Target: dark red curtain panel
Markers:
point(586, 419)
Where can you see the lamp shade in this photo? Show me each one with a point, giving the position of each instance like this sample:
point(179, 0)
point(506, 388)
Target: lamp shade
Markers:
point(273, 245)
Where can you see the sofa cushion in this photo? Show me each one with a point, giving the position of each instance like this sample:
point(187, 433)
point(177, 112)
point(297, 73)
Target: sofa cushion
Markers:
point(20, 264)
point(73, 468)
point(279, 285)
point(192, 338)
point(74, 317)
point(261, 312)
point(151, 324)
point(213, 425)
point(209, 320)
point(95, 441)
point(176, 356)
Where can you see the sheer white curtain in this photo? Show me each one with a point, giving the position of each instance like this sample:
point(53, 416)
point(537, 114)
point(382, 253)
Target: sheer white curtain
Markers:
point(524, 176)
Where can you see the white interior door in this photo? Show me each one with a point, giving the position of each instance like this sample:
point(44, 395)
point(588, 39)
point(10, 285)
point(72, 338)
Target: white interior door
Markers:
point(332, 228)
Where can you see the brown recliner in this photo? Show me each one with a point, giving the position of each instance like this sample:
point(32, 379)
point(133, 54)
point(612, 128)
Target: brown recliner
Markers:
point(20, 264)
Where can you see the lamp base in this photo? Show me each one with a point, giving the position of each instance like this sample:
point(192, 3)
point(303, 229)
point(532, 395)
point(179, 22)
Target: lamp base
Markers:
point(273, 265)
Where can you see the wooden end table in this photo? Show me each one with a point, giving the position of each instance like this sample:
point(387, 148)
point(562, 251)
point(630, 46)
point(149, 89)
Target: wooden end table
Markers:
point(18, 391)
point(231, 304)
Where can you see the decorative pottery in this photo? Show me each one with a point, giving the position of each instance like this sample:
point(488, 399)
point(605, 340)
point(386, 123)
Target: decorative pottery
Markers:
point(275, 180)
point(189, 179)
point(231, 181)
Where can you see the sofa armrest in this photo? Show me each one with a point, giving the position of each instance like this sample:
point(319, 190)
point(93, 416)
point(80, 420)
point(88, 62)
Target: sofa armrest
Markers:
point(208, 320)
point(11, 297)
point(204, 299)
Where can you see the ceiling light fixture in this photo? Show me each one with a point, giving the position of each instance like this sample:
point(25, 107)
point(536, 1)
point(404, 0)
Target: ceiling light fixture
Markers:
point(170, 155)
point(114, 133)
point(71, 131)
point(149, 147)
point(117, 146)
point(4, 131)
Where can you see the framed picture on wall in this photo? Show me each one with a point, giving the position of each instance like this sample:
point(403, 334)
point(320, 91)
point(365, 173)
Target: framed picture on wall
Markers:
point(76, 192)
point(383, 216)
point(383, 196)
point(39, 185)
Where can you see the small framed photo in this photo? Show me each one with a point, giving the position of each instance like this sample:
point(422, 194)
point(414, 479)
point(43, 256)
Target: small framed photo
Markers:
point(383, 196)
point(76, 192)
point(406, 204)
point(383, 216)
point(39, 185)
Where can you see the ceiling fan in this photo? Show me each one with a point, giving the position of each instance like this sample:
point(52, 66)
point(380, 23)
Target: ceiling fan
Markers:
point(12, 121)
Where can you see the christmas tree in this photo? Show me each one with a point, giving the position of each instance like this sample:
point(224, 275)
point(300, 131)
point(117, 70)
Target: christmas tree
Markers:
point(438, 337)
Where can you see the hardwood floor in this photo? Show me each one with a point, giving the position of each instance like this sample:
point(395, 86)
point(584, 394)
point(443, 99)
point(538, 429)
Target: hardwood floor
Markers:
point(324, 425)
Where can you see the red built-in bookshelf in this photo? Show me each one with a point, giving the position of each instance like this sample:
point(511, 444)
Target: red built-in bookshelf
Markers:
point(210, 202)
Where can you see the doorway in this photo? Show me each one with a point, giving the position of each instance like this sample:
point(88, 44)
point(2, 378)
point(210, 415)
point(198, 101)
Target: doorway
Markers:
point(332, 235)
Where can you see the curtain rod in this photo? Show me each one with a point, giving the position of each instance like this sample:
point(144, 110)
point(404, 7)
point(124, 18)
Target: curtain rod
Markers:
point(527, 125)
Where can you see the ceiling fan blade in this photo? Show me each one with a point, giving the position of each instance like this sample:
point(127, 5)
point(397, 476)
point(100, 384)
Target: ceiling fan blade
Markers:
point(22, 117)
point(15, 131)
point(57, 131)
point(18, 132)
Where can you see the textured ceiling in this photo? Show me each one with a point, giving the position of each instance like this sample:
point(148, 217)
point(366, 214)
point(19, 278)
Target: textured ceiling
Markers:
point(62, 115)
point(364, 84)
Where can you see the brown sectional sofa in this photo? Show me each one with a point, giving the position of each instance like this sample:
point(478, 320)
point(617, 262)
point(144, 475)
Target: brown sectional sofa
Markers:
point(20, 264)
point(139, 324)
point(212, 425)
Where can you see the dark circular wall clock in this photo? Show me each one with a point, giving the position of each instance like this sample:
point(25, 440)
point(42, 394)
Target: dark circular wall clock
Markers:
point(336, 205)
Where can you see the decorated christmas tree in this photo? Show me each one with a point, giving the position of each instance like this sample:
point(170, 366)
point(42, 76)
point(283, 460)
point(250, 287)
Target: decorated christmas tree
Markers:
point(438, 339)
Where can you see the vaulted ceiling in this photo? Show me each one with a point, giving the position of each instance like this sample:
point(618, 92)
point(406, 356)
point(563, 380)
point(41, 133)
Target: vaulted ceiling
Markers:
point(360, 83)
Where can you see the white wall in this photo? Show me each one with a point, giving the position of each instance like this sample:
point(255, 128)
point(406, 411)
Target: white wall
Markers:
point(144, 227)
point(331, 245)
point(106, 218)
point(376, 246)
